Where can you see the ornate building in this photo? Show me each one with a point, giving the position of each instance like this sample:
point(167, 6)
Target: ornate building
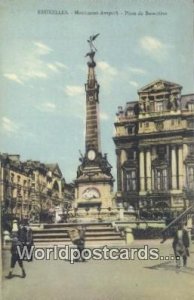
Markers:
point(155, 149)
point(31, 188)
point(94, 183)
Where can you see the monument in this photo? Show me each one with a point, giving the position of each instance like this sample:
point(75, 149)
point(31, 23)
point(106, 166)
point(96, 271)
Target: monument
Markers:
point(94, 182)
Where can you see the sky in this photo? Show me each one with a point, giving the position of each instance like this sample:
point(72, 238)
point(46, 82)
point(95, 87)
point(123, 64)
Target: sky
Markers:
point(43, 69)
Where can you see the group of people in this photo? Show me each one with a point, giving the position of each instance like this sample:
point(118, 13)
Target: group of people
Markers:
point(22, 237)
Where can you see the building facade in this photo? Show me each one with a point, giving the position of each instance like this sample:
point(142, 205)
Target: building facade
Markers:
point(155, 149)
point(30, 189)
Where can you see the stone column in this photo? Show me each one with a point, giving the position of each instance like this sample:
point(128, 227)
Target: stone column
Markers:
point(76, 193)
point(1, 183)
point(173, 168)
point(185, 153)
point(142, 170)
point(123, 158)
point(180, 167)
point(119, 175)
point(148, 170)
point(154, 155)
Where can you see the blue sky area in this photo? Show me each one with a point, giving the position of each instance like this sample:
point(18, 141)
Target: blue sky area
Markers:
point(43, 69)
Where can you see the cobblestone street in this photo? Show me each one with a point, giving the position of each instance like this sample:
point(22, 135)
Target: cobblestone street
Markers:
point(102, 280)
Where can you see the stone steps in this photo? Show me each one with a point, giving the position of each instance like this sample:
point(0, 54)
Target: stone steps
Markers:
point(64, 234)
point(55, 230)
point(98, 234)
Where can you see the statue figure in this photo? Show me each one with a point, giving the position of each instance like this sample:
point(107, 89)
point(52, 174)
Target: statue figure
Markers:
point(93, 49)
point(147, 105)
point(90, 41)
point(173, 102)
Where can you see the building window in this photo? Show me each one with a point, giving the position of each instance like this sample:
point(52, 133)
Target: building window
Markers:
point(159, 106)
point(191, 106)
point(19, 191)
point(190, 177)
point(191, 149)
point(131, 154)
point(131, 180)
point(33, 176)
point(176, 122)
point(190, 123)
point(130, 112)
point(161, 180)
point(146, 124)
point(161, 152)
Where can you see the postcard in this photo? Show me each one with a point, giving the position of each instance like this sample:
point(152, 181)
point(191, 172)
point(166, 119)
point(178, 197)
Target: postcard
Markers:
point(97, 149)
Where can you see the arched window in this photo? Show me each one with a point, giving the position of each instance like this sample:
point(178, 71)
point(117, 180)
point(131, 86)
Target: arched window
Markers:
point(56, 186)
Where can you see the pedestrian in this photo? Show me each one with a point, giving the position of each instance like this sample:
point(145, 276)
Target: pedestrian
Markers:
point(77, 236)
point(29, 240)
point(15, 257)
point(81, 241)
point(181, 245)
point(22, 233)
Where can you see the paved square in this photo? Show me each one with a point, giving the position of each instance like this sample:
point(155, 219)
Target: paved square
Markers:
point(102, 280)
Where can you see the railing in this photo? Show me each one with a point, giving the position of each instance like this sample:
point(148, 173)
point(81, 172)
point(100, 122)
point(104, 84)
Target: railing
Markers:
point(182, 217)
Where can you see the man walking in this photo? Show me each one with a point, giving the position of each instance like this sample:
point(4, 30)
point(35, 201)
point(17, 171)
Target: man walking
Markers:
point(81, 241)
point(181, 245)
point(16, 243)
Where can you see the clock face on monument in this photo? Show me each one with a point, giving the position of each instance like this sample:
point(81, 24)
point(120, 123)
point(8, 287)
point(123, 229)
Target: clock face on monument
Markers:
point(90, 193)
point(91, 154)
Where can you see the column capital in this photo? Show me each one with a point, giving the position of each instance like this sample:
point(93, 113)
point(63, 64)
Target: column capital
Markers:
point(148, 149)
point(173, 146)
point(142, 148)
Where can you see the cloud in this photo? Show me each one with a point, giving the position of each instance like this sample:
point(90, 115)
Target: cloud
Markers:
point(60, 65)
point(13, 77)
point(138, 71)
point(134, 83)
point(8, 125)
point(106, 68)
point(46, 107)
point(32, 65)
point(154, 47)
point(104, 116)
point(107, 74)
point(74, 90)
point(151, 44)
point(53, 67)
point(42, 49)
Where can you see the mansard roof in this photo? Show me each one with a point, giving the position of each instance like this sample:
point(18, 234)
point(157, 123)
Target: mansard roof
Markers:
point(158, 85)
